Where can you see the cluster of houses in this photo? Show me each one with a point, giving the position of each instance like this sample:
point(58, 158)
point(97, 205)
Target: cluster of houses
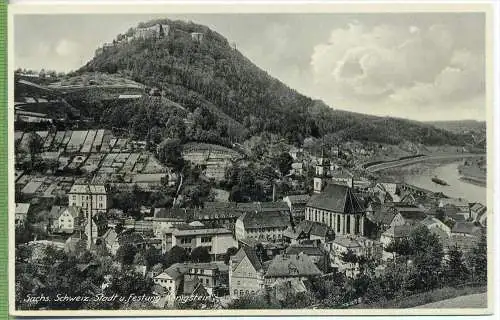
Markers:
point(280, 246)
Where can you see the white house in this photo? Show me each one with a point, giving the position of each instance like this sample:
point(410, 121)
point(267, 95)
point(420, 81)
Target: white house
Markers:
point(89, 197)
point(67, 220)
point(171, 279)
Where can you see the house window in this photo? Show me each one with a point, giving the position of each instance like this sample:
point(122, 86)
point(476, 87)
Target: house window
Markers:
point(238, 282)
point(206, 239)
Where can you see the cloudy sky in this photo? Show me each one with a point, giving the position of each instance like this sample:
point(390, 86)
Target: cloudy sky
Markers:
point(423, 66)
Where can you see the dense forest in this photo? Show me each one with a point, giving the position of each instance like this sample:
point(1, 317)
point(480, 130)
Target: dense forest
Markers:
point(217, 80)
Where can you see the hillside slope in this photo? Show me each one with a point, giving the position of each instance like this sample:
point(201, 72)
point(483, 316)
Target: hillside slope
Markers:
point(211, 75)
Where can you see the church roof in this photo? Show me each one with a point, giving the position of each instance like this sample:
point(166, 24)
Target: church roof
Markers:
point(336, 198)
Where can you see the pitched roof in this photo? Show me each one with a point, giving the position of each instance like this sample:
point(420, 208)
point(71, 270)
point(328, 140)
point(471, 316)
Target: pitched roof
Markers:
point(265, 219)
point(478, 207)
point(177, 214)
point(465, 227)
point(457, 202)
point(110, 236)
point(381, 215)
point(309, 250)
point(336, 198)
point(184, 231)
point(251, 254)
point(22, 208)
point(176, 270)
point(413, 215)
point(295, 265)
point(457, 217)
point(88, 189)
point(299, 198)
point(314, 228)
point(194, 287)
point(398, 231)
point(74, 211)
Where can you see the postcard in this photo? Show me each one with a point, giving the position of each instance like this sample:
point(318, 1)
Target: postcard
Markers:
point(258, 159)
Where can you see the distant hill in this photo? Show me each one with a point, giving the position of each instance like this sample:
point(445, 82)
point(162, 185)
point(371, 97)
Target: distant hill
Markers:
point(209, 77)
point(460, 126)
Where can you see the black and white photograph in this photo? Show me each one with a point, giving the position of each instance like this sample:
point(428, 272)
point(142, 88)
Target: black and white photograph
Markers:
point(226, 160)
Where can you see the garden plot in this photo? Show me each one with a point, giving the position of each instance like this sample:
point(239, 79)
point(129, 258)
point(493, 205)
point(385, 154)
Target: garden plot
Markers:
point(153, 166)
point(109, 159)
point(42, 134)
point(92, 162)
point(120, 144)
point(61, 140)
point(32, 187)
point(87, 145)
point(140, 163)
point(130, 163)
point(122, 158)
point(76, 141)
point(48, 141)
point(96, 146)
point(77, 161)
point(106, 142)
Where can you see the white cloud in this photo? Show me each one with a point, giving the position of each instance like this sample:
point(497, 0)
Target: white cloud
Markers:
point(402, 66)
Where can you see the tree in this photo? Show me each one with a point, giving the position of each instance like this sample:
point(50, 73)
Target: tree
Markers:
point(169, 152)
point(478, 260)
point(175, 128)
point(427, 255)
point(284, 163)
point(456, 271)
point(176, 255)
point(200, 254)
point(229, 253)
point(126, 254)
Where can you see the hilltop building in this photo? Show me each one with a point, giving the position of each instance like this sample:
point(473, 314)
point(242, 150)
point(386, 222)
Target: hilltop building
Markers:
point(156, 31)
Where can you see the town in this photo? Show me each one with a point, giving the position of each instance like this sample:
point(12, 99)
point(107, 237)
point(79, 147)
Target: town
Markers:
point(103, 210)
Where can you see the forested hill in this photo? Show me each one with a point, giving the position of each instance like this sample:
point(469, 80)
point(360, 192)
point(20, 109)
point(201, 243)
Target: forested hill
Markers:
point(211, 75)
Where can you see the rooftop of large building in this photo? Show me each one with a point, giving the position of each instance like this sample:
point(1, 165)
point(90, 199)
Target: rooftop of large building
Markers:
point(293, 265)
point(336, 198)
point(88, 189)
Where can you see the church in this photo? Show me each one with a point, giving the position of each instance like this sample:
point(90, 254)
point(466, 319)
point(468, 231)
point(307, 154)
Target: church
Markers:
point(335, 205)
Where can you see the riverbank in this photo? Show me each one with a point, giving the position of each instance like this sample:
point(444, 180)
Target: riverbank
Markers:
point(457, 186)
point(474, 181)
point(422, 168)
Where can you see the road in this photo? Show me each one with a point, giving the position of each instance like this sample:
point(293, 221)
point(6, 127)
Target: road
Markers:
point(405, 162)
point(478, 300)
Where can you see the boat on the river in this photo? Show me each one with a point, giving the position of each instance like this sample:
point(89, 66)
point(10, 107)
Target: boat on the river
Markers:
point(439, 181)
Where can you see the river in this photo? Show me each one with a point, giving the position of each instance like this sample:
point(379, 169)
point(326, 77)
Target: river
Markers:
point(456, 188)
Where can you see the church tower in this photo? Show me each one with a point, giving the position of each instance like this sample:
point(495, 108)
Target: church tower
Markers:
point(322, 171)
